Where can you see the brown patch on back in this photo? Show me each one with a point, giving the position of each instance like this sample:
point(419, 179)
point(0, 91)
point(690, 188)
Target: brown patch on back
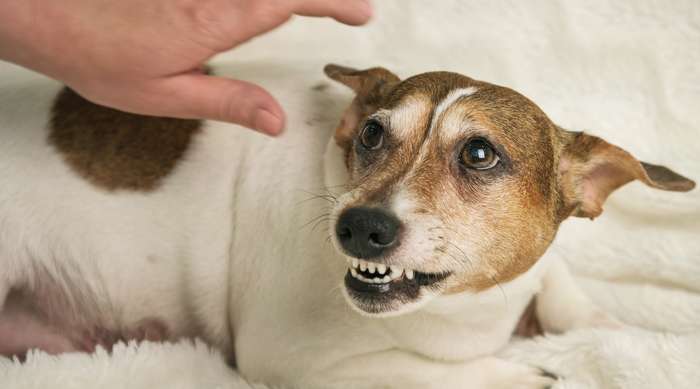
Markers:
point(114, 149)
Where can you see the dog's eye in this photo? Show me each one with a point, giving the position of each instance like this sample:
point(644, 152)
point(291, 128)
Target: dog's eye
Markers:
point(372, 135)
point(478, 154)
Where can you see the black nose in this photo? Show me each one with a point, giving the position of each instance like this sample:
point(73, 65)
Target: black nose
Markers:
point(367, 232)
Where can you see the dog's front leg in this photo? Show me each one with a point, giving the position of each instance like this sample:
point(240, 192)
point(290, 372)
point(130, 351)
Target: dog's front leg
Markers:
point(562, 305)
point(397, 369)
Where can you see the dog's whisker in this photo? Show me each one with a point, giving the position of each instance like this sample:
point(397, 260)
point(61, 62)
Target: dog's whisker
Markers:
point(319, 222)
point(446, 252)
point(318, 197)
point(328, 196)
point(503, 292)
point(464, 255)
point(326, 214)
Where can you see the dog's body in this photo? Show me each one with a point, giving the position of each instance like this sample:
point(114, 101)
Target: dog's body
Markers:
point(223, 245)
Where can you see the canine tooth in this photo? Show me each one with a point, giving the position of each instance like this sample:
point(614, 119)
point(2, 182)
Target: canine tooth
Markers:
point(381, 268)
point(353, 272)
point(371, 267)
point(355, 263)
point(363, 265)
point(409, 274)
point(386, 279)
point(396, 274)
point(396, 269)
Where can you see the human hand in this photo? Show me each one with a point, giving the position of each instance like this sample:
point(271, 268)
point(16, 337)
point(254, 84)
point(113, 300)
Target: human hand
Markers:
point(147, 57)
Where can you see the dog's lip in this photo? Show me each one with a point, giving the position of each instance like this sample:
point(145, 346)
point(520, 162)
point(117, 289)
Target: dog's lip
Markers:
point(374, 278)
point(386, 288)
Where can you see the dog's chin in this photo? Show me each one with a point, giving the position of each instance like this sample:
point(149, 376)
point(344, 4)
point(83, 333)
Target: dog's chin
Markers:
point(391, 294)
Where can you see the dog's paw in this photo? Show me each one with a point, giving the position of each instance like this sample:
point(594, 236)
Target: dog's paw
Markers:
point(519, 376)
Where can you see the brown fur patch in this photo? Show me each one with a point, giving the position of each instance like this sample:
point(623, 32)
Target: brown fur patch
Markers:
point(114, 149)
point(506, 217)
point(486, 227)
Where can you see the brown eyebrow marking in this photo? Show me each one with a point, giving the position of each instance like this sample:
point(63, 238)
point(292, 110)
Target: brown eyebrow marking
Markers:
point(116, 150)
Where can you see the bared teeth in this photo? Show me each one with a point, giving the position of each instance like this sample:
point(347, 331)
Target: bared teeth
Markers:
point(377, 273)
point(371, 267)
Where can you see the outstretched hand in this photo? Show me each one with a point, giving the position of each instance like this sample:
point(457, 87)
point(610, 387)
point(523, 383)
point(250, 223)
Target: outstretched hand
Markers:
point(147, 57)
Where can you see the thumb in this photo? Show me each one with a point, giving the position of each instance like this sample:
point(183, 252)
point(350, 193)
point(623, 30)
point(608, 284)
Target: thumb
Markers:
point(200, 96)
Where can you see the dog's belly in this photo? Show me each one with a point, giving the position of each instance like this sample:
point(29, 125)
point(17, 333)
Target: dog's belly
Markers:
point(27, 322)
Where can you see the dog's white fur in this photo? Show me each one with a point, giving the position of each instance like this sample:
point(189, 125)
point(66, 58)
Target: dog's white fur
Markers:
point(219, 252)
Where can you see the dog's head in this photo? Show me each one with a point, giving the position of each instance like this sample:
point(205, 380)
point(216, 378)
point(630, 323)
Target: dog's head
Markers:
point(458, 185)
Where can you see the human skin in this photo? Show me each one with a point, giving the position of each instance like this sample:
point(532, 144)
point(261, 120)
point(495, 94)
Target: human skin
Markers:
point(147, 57)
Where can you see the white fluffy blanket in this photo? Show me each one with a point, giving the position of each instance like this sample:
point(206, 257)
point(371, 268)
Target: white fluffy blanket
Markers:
point(628, 71)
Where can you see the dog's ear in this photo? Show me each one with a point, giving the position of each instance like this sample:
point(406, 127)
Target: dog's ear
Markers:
point(591, 168)
point(370, 86)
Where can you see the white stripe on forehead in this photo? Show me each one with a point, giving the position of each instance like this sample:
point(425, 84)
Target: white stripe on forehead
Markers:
point(448, 101)
point(406, 117)
point(403, 202)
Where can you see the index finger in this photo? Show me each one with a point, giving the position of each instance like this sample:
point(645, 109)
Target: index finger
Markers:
point(352, 12)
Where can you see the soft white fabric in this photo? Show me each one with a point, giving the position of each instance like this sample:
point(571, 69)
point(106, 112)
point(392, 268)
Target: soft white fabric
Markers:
point(628, 71)
point(147, 365)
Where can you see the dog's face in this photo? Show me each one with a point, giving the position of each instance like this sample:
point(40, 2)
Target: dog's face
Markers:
point(459, 185)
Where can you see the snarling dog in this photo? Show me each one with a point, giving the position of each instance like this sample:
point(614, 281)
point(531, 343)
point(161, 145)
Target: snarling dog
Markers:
point(440, 194)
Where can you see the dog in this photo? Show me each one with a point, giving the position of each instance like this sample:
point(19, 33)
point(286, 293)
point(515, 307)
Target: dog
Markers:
point(401, 250)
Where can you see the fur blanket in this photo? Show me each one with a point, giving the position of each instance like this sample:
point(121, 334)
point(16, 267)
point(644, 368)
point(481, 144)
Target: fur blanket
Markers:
point(627, 71)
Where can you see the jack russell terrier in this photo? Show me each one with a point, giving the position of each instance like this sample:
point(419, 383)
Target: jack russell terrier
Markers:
point(402, 253)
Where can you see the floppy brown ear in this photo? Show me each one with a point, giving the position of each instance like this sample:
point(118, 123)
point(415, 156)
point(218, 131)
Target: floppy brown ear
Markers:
point(591, 168)
point(370, 86)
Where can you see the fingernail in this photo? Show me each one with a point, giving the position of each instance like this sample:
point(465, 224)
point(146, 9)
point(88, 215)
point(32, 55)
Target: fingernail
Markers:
point(265, 122)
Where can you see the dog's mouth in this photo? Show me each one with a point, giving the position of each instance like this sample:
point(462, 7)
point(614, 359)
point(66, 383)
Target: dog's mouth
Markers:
point(377, 288)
